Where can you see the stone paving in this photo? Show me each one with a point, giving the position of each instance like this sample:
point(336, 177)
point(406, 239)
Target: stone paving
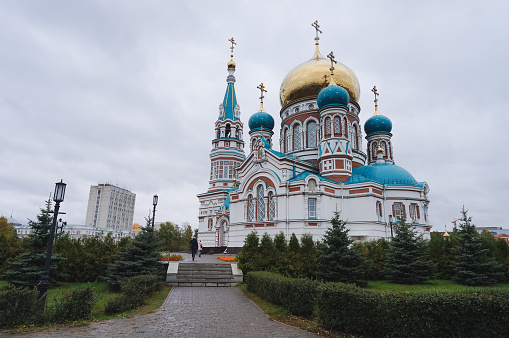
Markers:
point(189, 312)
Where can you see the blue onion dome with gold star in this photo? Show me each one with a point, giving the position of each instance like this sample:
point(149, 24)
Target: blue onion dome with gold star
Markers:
point(333, 95)
point(378, 124)
point(261, 119)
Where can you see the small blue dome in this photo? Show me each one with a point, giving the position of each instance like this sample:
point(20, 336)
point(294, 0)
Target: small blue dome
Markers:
point(385, 173)
point(333, 95)
point(261, 119)
point(378, 124)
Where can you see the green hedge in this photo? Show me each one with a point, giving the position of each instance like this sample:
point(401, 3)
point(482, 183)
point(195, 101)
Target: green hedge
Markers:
point(21, 306)
point(297, 295)
point(476, 313)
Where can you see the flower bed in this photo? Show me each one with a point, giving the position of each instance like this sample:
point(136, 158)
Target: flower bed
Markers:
point(226, 259)
point(167, 257)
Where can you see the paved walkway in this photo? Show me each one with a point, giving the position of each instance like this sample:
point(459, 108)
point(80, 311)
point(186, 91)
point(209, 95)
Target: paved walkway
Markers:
point(189, 312)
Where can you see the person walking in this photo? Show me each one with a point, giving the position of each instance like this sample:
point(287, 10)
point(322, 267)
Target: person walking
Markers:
point(194, 246)
point(200, 248)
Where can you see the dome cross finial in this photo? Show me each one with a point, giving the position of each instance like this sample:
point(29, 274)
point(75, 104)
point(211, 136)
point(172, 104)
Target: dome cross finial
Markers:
point(332, 62)
point(375, 91)
point(232, 40)
point(317, 27)
point(262, 89)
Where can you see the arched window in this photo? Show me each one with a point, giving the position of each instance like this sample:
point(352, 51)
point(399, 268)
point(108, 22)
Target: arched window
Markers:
point(327, 127)
point(228, 130)
point(312, 185)
point(296, 137)
point(311, 134)
point(345, 127)
point(218, 133)
point(285, 142)
point(261, 204)
point(272, 206)
point(355, 140)
point(379, 210)
point(210, 224)
point(337, 126)
point(250, 208)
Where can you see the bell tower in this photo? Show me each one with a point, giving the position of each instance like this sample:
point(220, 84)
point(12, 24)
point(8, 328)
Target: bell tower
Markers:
point(228, 145)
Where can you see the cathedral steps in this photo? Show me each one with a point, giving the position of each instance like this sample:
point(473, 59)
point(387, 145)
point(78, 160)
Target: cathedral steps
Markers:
point(203, 274)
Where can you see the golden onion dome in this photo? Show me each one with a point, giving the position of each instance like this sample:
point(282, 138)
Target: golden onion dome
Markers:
point(310, 77)
point(231, 63)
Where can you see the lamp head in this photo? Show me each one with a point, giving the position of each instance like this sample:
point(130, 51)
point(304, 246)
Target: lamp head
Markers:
point(154, 201)
point(58, 195)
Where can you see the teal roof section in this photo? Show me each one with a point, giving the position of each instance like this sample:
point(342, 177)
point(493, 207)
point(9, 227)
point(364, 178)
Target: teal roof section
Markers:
point(383, 173)
point(227, 203)
point(302, 176)
point(229, 103)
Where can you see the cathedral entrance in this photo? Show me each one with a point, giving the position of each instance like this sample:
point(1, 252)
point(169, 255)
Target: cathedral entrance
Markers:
point(220, 234)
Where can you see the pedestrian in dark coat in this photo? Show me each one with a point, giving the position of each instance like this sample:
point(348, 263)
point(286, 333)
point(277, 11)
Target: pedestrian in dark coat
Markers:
point(194, 246)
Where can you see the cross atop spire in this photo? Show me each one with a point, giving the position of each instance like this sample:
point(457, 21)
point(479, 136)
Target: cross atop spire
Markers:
point(262, 89)
point(375, 91)
point(317, 27)
point(232, 40)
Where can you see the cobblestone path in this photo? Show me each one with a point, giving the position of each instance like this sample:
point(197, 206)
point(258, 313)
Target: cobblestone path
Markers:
point(188, 312)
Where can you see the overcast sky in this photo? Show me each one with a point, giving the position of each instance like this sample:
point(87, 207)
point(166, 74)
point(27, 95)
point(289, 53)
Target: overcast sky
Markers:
point(127, 92)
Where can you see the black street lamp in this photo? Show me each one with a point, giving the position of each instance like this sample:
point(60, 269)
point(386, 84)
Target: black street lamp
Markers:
point(390, 222)
point(58, 196)
point(154, 202)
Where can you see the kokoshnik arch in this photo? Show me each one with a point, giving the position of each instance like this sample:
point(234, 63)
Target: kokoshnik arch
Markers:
point(321, 166)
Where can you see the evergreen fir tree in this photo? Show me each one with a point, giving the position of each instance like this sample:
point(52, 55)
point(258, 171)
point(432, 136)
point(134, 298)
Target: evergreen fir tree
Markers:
point(249, 256)
point(308, 253)
point(294, 245)
point(267, 253)
point(337, 261)
point(280, 242)
point(141, 257)
point(26, 269)
point(407, 260)
point(472, 265)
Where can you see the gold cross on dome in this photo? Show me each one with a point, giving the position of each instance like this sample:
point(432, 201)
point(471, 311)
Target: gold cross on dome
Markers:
point(232, 40)
point(262, 89)
point(316, 26)
point(375, 91)
point(332, 62)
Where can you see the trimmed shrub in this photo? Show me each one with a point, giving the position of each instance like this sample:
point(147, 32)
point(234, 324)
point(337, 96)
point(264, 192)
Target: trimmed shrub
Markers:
point(476, 313)
point(134, 293)
point(75, 305)
point(297, 295)
point(20, 306)
point(116, 304)
point(139, 288)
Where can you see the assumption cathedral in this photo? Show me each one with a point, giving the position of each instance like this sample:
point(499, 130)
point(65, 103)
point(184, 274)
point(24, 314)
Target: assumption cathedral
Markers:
point(321, 167)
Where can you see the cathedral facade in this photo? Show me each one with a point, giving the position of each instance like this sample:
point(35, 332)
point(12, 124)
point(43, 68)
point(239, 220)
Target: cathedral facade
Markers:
point(321, 167)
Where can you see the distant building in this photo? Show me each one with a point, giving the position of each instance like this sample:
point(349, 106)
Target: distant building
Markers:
point(110, 207)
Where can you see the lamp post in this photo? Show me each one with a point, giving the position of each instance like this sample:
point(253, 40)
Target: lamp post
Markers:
point(390, 222)
point(58, 196)
point(154, 202)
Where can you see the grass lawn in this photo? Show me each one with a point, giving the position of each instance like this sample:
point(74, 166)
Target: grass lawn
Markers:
point(432, 285)
point(102, 295)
